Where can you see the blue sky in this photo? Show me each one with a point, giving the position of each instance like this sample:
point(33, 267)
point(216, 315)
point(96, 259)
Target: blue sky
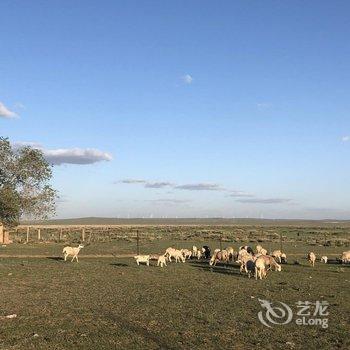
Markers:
point(216, 108)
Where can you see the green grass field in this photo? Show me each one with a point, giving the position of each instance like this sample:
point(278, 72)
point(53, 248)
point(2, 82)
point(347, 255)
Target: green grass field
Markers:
point(104, 302)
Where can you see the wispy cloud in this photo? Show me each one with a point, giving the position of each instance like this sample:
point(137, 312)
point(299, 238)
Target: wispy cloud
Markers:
point(264, 200)
point(158, 184)
point(79, 156)
point(345, 138)
point(131, 181)
point(237, 194)
point(169, 200)
point(187, 79)
point(147, 184)
point(6, 113)
point(162, 184)
point(200, 187)
point(264, 105)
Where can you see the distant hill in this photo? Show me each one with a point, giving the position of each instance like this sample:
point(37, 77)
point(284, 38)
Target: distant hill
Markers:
point(191, 221)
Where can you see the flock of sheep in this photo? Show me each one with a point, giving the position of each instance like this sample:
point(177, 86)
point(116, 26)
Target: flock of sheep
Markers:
point(257, 263)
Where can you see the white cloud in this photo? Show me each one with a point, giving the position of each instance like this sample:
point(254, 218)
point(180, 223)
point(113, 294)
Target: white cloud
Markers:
point(158, 184)
point(264, 105)
point(76, 156)
point(170, 200)
point(236, 194)
point(200, 187)
point(264, 200)
point(68, 155)
point(6, 113)
point(345, 138)
point(147, 184)
point(187, 79)
point(132, 181)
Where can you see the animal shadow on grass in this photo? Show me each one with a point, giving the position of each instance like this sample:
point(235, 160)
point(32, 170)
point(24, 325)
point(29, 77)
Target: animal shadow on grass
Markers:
point(119, 264)
point(335, 261)
point(57, 258)
point(224, 269)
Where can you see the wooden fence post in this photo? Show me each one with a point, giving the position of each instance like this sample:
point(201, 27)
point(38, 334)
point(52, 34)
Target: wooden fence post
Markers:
point(27, 240)
point(39, 234)
point(60, 234)
point(137, 242)
point(83, 234)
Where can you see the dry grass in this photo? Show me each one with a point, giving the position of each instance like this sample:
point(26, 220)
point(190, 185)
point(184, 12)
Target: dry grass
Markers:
point(109, 303)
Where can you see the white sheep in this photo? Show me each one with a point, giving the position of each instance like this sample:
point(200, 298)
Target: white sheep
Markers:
point(279, 256)
point(186, 253)
point(324, 259)
point(345, 258)
point(177, 254)
point(263, 263)
point(142, 259)
point(312, 258)
point(231, 252)
point(161, 260)
point(174, 253)
point(72, 251)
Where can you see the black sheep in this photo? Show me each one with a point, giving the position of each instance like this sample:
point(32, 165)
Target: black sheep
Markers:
point(207, 254)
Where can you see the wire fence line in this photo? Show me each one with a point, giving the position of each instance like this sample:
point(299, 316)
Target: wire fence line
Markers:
point(141, 235)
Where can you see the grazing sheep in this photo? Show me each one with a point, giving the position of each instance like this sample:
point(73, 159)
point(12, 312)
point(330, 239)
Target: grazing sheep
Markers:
point(283, 258)
point(219, 256)
point(161, 260)
point(312, 258)
point(178, 256)
point(264, 263)
point(199, 254)
point(345, 258)
point(324, 259)
point(142, 259)
point(174, 253)
point(279, 256)
point(241, 253)
point(261, 250)
point(169, 252)
point(250, 268)
point(206, 252)
point(260, 269)
point(247, 248)
point(72, 251)
point(243, 260)
point(231, 252)
point(186, 253)
point(194, 251)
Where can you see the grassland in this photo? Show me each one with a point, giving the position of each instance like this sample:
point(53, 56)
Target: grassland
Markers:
point(106, 302)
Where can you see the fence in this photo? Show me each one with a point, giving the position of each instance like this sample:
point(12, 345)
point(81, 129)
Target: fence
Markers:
point(144, 238)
